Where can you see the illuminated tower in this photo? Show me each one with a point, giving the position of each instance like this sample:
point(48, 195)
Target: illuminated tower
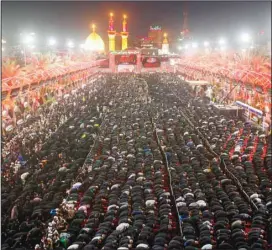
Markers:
point(111, 34)
point(185, 30)
point(124, 33)
point(165, 44)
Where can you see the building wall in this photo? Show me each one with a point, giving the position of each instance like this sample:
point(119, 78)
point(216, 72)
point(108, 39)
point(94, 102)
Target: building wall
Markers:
point(150, 52)
point(157, 37)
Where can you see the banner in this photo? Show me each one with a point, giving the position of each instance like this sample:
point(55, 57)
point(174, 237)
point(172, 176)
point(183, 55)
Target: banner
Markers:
point(126, 59)
point(151, 62)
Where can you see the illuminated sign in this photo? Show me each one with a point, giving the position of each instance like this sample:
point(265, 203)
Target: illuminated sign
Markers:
point(155, 27)
point(126, 59)
point(151, 62)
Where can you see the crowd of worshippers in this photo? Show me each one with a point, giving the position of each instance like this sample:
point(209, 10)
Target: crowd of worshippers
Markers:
point(88, 173)
point(28, 137)
point(200, 184)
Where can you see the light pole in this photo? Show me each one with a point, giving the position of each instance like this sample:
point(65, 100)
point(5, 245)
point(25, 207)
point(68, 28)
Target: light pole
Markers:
point(52, 41)
point(194, 45)
point(3, 42)
point(70, 46)
point(222, 44)
point(245, 37)
point(207, 48)
point(25, 55)
point(51, 44)
point(222, 41)
point(28, 39)
point(247, 40)
point(206, 44)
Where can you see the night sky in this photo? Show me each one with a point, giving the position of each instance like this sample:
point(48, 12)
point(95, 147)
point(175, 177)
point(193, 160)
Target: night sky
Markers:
point(71, 20)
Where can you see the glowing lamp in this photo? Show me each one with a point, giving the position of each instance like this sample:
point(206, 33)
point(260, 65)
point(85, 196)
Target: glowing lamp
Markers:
point(222, 41)
point(28, 39)
point(194, 45)
point(70, 44)
point(52, 42)
point(206, 44)
point(245, 37)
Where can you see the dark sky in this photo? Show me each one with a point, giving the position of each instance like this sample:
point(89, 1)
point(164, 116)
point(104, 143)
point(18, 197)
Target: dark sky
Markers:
point(71, 19)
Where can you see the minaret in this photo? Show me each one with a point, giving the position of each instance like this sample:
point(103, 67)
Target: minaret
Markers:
point(124, 33)
point(111, 34)
point(185, 22)
point(165, 45)
point(185, 30)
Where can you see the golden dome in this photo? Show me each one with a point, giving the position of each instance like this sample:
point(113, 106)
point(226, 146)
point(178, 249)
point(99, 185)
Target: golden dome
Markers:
point(94, 42)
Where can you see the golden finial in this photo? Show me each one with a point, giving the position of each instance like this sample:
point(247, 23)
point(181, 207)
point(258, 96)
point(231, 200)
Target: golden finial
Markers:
point(165, 41)
point(93, 27)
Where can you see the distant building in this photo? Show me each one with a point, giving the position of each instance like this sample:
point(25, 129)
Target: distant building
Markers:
point(155, 34)
point(146, 42)
point(150, 52)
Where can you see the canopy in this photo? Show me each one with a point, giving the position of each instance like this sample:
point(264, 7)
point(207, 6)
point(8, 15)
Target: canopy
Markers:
point(254, 70)
point(43, 75)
